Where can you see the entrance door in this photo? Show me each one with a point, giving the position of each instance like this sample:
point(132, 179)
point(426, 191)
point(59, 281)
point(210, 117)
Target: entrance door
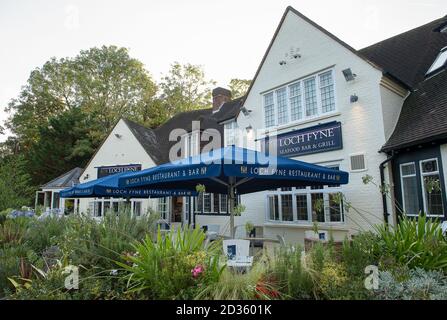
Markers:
point(177, 209)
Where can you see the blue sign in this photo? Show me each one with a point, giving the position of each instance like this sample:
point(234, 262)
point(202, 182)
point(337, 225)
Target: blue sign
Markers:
point(321, 138)
point(109, 170)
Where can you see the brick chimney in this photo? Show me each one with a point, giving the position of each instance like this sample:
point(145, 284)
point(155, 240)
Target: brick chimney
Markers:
point(220, 96)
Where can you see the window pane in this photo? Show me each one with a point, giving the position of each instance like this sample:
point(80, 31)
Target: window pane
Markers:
point(429, 166)
point(231, 133)
point(115, 207)
point(273, 208)
point(410, 195)
point(106, 207)
point(269, 110)
point(137, 208)
point(317, 207)
point(440, 61)
point(216, 202)
point(286, 206)
point(301, 207)
point(282, 106)
point(335, 208)
point(327, 92)
point(207, 202)
point(296, 108)
point(408, 169)
point(223, 203)
point(98, 209)
point(310, 97)
point(433, 195)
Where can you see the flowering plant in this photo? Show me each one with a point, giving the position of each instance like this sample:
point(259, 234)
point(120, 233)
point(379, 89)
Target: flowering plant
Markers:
point(197, 271)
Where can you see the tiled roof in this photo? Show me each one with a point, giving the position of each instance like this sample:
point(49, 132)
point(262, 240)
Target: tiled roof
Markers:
point(66, 180)
point(409, 55)
point(156, 141)
point(424, 115)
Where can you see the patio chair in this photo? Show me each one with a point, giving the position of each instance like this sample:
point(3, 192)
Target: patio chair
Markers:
point(237, 251)
point(212, 231)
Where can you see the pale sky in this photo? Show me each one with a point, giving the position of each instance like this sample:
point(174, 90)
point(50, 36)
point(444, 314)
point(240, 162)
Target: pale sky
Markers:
point(228, 38)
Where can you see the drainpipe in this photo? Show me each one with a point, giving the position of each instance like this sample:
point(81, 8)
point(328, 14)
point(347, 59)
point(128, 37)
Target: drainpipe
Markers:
point(382, 183)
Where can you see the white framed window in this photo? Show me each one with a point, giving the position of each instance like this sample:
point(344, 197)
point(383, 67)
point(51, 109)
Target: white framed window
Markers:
point(207, 202)
point(431, 188)
point(327, 92)
point(269, 110)
point(191, 141)
point(281, 100)
point(163, 207)
point(408, 181)
point(305, 204)
point(136, 208)
point(440, 61)
point(231, 132)
point(223, 203)
point(296, 105)
point(212, 203)
point(304, 99)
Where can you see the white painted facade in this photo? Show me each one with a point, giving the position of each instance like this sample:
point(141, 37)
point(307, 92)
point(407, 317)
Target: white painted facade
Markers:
point(121, 147)
point(366, 124)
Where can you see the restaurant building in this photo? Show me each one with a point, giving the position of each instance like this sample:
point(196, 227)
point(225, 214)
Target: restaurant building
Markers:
point(380, 112)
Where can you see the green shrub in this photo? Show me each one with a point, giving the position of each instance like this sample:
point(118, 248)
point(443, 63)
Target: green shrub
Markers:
point(44, 233)
point(418, 285)
point(91, 243)
point(415, 243)
point(4, 214)
point(294, 279)
point(359, 253)
point(12, 231)
point(12, 263)
point(163, 269)
point(239, 286)
point(92, 286)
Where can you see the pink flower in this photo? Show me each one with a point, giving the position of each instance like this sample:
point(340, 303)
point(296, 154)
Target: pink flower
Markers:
point(197, 271)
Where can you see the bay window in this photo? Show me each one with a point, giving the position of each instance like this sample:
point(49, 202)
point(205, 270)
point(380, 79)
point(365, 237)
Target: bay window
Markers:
point(305, 204)
point(304, 99)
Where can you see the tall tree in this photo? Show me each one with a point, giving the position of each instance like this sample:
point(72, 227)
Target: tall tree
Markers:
point(63, 144)
point(105, 83)
point(185, 88)
point(239, 87)
point(15, 183)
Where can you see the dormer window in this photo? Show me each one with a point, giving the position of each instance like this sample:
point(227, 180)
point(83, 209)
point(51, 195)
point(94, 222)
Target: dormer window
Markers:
point(440, 61)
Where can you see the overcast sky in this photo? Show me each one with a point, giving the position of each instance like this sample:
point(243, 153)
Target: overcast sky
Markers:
point(228, 38)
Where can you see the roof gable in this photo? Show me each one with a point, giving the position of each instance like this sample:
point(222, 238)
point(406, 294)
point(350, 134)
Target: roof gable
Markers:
point(315, 25)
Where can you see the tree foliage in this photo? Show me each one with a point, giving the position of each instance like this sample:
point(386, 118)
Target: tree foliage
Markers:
point(105, 83)
point(185, 88)
point(15, 184)
point(239, 87)
point(63, 144)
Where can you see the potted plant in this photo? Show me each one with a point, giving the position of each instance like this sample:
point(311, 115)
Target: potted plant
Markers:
point(250, 229)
